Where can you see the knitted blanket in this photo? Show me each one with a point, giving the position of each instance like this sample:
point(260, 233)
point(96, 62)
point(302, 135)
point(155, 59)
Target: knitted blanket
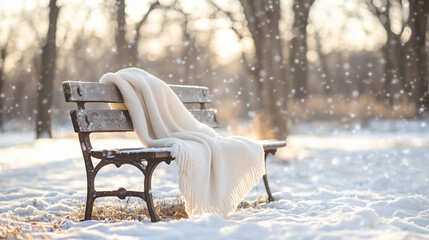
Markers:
point(215, 172)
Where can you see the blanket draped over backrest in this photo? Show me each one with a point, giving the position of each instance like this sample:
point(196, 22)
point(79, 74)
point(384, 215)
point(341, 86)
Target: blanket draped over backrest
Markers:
point(215, 172)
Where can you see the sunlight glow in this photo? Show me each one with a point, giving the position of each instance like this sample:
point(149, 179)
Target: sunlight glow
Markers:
point(341, 25)
point(226, 46)
point(345, 25)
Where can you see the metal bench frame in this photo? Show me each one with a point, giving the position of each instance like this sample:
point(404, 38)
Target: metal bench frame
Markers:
point(146, 160)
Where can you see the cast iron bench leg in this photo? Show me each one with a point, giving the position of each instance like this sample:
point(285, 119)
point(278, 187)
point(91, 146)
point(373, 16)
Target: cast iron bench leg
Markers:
point(267, 186)
point(90, 190)
point(88, 206)
point(148, 190)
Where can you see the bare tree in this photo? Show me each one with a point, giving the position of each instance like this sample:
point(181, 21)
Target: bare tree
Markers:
point(263, 19)
point(298, 53)
point(121, 42)
point(47, 74)
point(418, 22)
point(127, 51)
point(325, 74)
point(267, 68)
point(189, 52)
point(393, 51)
point(3, 54)
point(4, 50)
point(134, 43)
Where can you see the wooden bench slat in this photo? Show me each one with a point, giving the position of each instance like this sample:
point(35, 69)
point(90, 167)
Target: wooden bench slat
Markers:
point(102, 120)
point(192, 94)
point(106, 120)
point(91, 92)
point(206, 116)
point(272, 144)
point(107, 92)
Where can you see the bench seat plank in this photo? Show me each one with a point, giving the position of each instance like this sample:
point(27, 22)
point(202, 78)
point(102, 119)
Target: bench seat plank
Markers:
point(144, 153)
point(132, 153)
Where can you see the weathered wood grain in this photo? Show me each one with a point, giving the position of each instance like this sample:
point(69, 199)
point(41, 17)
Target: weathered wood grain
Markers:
point(101, 120)
point(106, 92)
point(106, 120)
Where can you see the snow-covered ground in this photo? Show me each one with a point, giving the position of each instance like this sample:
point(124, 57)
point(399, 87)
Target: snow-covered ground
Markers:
point(358, 182)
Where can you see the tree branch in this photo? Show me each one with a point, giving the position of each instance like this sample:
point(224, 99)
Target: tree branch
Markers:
point(229, 15)
point(143, 20)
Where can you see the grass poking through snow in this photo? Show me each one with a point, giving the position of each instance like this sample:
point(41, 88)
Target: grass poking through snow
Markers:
point(167, 209)
point(260, 201)
point(113, 211)
point(110, 211)
point(13, 231)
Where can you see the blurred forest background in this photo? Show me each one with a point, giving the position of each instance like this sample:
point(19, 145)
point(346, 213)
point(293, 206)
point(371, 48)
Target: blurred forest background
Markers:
point(270, 63)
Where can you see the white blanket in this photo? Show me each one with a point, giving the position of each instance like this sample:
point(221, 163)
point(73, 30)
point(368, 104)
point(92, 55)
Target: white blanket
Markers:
point(215, 172)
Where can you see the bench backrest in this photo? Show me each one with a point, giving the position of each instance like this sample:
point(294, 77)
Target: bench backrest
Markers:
point(107, 120)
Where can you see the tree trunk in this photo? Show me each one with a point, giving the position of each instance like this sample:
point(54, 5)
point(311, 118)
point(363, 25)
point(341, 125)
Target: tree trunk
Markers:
point(420, 21)
point(394, 76)
point(387, 92)
point(325, 75)
point(121, 42)
point(191, 52)
point(47, 74)
point(3, 54)
point(394, 71)
point(298, 53)
point(263, 22)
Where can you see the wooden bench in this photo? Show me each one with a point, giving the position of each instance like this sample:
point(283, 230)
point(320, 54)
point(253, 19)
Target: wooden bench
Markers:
point(86, 121)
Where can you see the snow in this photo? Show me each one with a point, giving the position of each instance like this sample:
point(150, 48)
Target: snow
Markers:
point(361, 181)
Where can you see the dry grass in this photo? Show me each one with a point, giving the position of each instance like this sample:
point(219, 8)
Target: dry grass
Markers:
point(8, 231)
point(260, 201)
point(112, 211)
point(11, 231)
point(167, 209)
